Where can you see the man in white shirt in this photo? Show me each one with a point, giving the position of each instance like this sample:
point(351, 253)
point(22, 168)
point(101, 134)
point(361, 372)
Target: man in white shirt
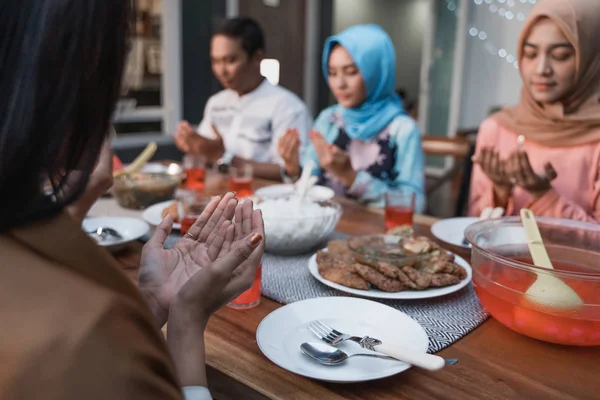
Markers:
point(244, 122)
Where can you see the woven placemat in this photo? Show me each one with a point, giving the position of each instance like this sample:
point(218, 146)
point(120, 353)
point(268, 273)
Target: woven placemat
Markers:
point(286, 279)
point(445, 319)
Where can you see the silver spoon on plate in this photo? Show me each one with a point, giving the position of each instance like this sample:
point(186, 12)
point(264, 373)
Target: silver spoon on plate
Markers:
point(330, 355)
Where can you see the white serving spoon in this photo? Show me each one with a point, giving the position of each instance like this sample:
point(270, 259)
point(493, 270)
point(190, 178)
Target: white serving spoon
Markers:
point(547, 290)
point(303, 183)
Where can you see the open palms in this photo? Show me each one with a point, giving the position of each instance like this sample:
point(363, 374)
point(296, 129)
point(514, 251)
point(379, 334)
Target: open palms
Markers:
point(164, 271)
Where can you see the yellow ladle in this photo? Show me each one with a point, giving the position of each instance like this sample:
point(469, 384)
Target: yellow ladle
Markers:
point(547, 290)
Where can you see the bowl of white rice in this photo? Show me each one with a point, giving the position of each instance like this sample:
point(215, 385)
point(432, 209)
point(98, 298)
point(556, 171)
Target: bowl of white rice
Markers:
point(296, 226)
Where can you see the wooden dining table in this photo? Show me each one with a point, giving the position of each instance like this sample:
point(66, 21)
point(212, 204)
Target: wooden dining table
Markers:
point(494, 362)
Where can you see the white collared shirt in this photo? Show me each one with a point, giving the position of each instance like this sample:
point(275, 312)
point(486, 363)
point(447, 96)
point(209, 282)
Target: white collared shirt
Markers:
point(251, 125)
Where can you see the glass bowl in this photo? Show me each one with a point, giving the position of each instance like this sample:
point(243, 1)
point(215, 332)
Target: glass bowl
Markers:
point(503, 272)
point(141, 190)
point(292, 227)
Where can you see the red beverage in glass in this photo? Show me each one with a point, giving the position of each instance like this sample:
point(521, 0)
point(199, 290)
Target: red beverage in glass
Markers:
point(399, 208)
point(191, 205)
point(240, 180)
point(251, 297)
point(194, 178)
point(242, 186)
point(398, 216)
point(186, 224)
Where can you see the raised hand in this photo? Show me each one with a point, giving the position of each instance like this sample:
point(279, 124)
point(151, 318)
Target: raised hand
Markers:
point(493, 166)
point(520, 173)
point(495, 169)
point(189, 141)
point(185, 136)
point(164, 271)
point(289, 150)
point(233, 271)
point(333, 159)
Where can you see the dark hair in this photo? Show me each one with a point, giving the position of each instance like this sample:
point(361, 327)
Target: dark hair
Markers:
point(61, 65)
point(246, 30)
point(401, 93)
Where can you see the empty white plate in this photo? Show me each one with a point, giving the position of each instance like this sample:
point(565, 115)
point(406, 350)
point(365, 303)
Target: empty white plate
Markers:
point(452, 230)
point(315, 192)
point(130, 228)
point(281, 333)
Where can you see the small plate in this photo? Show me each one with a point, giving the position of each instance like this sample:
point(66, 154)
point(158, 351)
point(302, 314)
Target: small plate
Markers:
point(452, 230)
point(153, 214)
point(404, 295)
point(315, 192)
point(130, 228)
point(281, 333)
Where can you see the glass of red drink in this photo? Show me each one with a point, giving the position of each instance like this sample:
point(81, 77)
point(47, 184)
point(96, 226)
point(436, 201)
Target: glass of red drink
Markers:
point(195, 172)
point(251, 297)
point(399, 208)
point(191, 205)
point(240, 180)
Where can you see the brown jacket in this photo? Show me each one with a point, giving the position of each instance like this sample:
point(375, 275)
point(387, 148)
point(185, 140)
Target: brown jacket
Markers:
point(73, 325)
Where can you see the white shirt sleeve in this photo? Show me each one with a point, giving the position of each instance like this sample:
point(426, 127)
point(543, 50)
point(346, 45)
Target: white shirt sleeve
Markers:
point(196, 393)
point(205, 127)
point(299, 119)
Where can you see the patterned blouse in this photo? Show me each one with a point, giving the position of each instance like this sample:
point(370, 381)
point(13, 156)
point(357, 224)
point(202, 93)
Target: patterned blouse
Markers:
point(391, 161)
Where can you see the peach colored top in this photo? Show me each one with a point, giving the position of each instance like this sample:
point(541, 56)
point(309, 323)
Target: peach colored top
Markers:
point(575, 192)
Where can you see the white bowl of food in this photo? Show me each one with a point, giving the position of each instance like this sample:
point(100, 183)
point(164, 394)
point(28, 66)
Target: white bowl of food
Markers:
point(295, 226)
point(315, 192)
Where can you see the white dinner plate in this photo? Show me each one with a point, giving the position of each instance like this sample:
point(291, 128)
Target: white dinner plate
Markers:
point(153, 214)
point(452, 230)
point(281, 333)
point(404, 295)
point(315, 192)
point(130, 228)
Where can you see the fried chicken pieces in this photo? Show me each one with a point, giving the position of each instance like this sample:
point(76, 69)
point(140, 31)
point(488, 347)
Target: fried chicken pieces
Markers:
point(172, 209)
point(424, 265)
point(335, 265)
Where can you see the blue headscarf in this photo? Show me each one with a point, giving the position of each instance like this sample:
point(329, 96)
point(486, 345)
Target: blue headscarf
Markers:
point(373, 53)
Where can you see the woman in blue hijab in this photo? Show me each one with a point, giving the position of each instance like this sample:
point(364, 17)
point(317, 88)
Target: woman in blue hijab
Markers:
point(366, 144)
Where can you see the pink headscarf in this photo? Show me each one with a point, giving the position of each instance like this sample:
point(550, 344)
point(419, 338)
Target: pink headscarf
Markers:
point(576, 119)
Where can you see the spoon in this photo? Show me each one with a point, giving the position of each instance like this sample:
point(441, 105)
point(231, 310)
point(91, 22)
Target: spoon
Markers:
point(104, 232)
point(139, 162)
point(329, 355)
point(547, 290)
point(304, 181)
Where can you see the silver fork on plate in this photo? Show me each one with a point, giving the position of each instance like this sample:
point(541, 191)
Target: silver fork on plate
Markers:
point(410, 356)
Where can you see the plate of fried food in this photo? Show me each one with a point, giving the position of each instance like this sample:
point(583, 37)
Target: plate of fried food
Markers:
point(156, 213)
point(401, 266)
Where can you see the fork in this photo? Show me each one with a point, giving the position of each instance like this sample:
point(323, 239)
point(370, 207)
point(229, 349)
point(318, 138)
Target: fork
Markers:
point(105, 232)
point(410, 356)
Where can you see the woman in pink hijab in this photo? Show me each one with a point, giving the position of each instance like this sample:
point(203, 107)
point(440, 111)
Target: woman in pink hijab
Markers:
point(544, 153)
